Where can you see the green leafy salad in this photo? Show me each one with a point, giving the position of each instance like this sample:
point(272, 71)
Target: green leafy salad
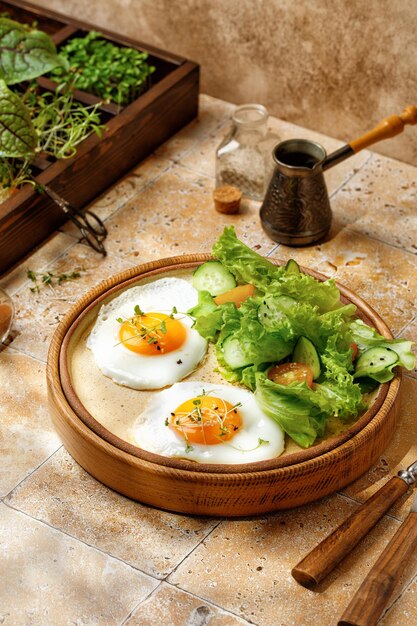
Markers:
point(290, 339)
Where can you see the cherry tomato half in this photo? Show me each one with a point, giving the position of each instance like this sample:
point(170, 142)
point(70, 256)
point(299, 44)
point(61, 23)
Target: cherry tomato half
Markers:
point(288, 373)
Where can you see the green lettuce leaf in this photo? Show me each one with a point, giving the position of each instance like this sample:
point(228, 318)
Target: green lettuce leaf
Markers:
point(250, 267)
point(288, 305)
point(258, 346)
point(302, 412)
point(302, 421)
point(366, 337)
point(208, 316)
point(246, 265)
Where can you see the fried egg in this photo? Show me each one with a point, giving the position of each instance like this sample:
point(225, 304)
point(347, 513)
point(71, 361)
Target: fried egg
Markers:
point(208, 423)
point(144, 339)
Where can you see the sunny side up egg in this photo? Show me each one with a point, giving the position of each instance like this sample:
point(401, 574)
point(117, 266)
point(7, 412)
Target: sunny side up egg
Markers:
point(208, 423)
point(144, 339)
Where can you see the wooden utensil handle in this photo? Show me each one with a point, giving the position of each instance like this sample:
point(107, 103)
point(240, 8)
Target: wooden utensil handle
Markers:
point(324, 558)
point(372, 596)
point(388, 127)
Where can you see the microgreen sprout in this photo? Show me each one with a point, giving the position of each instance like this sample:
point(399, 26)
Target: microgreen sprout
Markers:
point(152, 334)
point(262, 442)
point(51, 279)
point(32, 120)
point(109, 71)
point(60, 123)
point(205, 416)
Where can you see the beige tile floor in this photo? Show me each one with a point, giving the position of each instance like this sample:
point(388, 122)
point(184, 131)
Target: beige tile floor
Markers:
point(76, 553)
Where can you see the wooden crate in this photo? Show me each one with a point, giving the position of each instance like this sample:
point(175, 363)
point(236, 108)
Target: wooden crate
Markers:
point(132, 133)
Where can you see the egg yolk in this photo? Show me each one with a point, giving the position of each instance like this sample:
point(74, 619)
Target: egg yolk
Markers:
point(152, 334)
point(206, 420)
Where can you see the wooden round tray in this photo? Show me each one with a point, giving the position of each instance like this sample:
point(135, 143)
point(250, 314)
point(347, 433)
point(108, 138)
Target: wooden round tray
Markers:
point(290, 480)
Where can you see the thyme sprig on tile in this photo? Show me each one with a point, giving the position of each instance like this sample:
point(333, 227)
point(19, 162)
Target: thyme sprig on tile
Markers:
point(51, 279)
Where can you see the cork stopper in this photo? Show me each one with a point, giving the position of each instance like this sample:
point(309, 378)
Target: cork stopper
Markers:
point(227, 199)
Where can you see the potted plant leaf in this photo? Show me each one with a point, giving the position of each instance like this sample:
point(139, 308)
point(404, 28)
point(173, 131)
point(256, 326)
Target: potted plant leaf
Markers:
point(56, 135)
point(34, 121)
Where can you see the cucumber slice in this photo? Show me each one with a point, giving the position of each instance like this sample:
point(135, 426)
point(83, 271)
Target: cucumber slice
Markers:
point(272, 311)
point(367, 385)
point(292, 267)
point(376, 363)
point(305, 352)
point(213, 277)
point(233, 354)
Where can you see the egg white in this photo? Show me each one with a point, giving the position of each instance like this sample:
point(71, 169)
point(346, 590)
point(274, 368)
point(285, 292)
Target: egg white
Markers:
point(151, 432)
point(138, 371)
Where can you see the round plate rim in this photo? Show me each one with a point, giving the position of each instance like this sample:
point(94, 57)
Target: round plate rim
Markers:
point(59, 351)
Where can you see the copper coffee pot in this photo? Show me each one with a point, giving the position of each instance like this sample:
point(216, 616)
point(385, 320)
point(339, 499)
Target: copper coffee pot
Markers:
point(296, 209)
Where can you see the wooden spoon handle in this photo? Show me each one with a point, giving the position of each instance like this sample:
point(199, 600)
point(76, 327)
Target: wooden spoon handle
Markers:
point(388, 127)
point(372, 596)
point(324, 558)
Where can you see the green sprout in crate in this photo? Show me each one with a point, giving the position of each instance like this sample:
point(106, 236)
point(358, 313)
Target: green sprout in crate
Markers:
point(111, 72)
point(32, 121)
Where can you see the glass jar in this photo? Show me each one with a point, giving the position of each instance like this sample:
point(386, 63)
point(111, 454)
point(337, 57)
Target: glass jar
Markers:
point(6, 315)
point(243, 159)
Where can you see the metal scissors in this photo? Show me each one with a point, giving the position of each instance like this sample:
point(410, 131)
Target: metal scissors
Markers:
point(89, 224)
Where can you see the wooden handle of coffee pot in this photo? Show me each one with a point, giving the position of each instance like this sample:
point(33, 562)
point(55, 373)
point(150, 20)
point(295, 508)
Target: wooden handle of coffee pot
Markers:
point(388, 127)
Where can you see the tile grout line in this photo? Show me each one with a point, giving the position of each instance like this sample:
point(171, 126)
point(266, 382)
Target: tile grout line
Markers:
point(193, 549)
point(8, 494)
point(194, 595)
point(204, 137)
point(150, 182)
point(275, 247)
point(133, 611)
point(81, 541)
point(413, 577)
point(22, 352)
point(27, 282)
point(176, 160)
point(77, 239)
point(350, 176)
point(350, 228)
point(187, 592)
point(195, 172)
point(359, 503)
point(170, 160)
point(210, 135)
point(407, 324)
point(402, 591)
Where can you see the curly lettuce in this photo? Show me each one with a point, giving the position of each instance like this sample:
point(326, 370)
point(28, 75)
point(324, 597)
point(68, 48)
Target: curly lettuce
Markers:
point(264, 330)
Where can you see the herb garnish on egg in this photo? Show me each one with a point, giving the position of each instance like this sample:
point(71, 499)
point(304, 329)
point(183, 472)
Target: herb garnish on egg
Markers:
point(156, 345)
point(208, 423)
point(151, 328)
